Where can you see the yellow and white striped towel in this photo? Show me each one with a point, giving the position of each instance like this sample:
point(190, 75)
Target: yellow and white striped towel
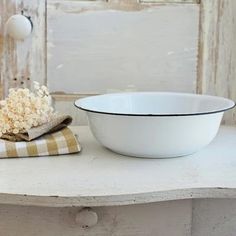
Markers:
point(58, 143)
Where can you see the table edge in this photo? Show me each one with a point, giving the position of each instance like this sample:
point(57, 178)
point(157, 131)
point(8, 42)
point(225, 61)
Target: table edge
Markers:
point(117, 200)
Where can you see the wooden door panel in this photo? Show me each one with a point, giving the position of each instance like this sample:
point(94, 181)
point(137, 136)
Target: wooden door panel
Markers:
point(98, 46)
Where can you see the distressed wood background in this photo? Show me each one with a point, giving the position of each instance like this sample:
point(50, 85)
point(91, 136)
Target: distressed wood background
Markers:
point(217, 51)
point(99, 46)
point(22, 61)
point(79, 48)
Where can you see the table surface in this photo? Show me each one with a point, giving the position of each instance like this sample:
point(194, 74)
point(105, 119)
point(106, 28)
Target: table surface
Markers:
point(99, 177)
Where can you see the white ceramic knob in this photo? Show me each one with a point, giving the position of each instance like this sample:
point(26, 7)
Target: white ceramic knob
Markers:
point(19, 27)
point(86, 218)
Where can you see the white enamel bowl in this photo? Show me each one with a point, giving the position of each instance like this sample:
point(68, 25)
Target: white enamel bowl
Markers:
point(154, 124)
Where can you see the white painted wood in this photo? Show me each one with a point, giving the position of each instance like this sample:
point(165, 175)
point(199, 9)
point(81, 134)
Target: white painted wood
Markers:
point(23, 61)
point(98, 177)
point(217, 51)
point(98, 46)
point(170, 1)
point(165, 219)
point(214, 217)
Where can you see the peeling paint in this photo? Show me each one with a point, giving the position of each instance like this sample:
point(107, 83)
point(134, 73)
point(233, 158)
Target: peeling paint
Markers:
point(23, 59)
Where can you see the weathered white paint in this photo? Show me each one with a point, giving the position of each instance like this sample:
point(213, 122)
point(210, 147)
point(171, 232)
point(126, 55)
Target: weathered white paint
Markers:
point(217, 51)
point(98, 177)
point(214, 217)
point(23, 59)
point(170, 1)
point(165, 219)
point(96, 46)
point(210, 217)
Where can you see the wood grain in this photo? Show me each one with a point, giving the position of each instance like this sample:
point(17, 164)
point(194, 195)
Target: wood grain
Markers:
point(216, 59)
point(170, 1)
point(1, 55)
point(217, 51)
point(23, 61)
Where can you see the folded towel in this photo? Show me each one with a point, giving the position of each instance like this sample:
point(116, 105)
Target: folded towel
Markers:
point(58, 122)
point(57, 143)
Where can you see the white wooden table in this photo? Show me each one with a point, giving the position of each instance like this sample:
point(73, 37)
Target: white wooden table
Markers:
point(98, 177)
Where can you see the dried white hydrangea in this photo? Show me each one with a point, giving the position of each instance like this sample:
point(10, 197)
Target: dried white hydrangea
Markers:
point(24, 109)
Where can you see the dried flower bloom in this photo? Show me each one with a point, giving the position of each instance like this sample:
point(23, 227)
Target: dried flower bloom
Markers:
point(24, 109)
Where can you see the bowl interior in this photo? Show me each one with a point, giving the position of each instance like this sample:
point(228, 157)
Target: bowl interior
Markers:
point(154, 103)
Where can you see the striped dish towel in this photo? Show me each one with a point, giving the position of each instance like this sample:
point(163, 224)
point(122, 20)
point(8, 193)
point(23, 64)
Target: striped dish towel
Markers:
point(60, 142)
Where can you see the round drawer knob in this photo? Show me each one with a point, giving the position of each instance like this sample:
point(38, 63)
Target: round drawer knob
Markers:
point(19, 26)
point(86, 218)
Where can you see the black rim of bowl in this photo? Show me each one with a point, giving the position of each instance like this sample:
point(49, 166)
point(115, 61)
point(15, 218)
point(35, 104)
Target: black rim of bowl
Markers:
point(178, 114)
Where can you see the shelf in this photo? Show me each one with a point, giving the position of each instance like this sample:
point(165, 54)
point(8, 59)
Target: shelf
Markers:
point(99, 177)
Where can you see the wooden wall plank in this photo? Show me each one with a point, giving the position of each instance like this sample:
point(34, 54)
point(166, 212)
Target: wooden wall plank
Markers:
point(217, 51)
point(1, 51)
point(216, 67)
point(170, 1)
point(23, 59)
point(98, 46)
